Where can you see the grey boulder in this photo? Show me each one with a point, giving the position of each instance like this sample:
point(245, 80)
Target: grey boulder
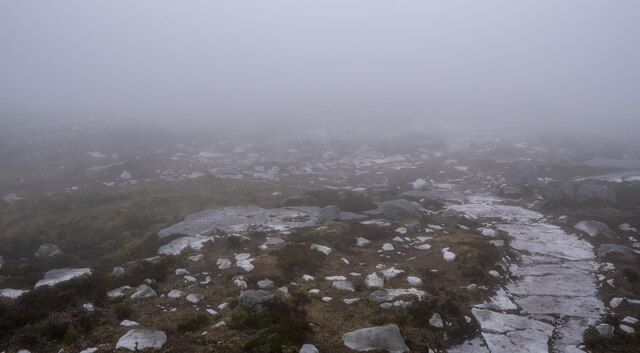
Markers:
point(379, 337)
point(144, 291)
point(137, 339)
point(329, 213)
point(605, 330)
point(398, 209)
point(309, 348)
point(558, 190)
point(47, 250)
point(593, 228)
point(253, 299)
point(588, 192)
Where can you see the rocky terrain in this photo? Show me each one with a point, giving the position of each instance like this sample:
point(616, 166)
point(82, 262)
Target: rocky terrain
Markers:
point(358, 241)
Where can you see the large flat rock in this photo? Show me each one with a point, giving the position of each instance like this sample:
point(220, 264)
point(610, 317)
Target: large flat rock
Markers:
point(53, 277)
point(137, 339)
point(241, 219)
point(376, 338)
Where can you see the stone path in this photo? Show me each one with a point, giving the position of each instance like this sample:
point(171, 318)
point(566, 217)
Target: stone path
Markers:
point(551, 297)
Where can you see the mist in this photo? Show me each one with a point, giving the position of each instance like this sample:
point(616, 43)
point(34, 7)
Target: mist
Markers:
point(545, 65)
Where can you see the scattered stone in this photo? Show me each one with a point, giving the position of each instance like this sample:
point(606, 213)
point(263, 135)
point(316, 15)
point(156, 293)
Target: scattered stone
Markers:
point(323, 249)
point(372, 338)
point(414, 281)
point(12, 293)
point(189, 278)
point(118, 271)
point(219, 324)
point(223, 264)
point(88, 350)
point(307, 278)
point(181, 272)
point(118, 292)
point(343, 285)
point(194, 298)
point(265, 284)
point(53, 277)
point(128, 323)
point(362, 241)
point(137, 339)
point(196, 258)
point(154, 260)
point(308, 348)
point(626, 227)
point(212, 312)
point(605, 330)
point(447, 255)
point(387, 247)
point(615, 302)
point(419, 184)
point(436, 321)
point(253, 299)
point(144, 291)
point(373, 281)
point(350, 301)
point(593, 228)
point(327, 299)
point(627, 329)
point(391, 273)
point(630, 320)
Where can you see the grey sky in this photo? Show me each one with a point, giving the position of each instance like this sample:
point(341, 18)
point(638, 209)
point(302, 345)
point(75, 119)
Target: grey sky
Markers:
point(301, 60)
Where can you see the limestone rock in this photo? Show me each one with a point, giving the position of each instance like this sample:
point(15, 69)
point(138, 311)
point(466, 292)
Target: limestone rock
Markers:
point(253, 299)
point(593, 228)
point(137, 339)
point(47, 250)
point(144, 291)
point(379, 337)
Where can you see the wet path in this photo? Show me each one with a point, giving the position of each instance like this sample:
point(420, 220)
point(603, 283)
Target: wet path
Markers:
point(551, 296)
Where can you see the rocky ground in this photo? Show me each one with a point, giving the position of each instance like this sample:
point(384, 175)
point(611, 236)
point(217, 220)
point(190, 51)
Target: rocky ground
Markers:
point(395, 242)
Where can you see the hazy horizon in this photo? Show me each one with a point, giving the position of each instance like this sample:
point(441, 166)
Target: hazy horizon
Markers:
point(543, 66)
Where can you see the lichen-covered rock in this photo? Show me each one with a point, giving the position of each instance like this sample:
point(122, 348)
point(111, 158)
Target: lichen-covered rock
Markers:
point(253, 299)
point(137, 339)
point(380, 337)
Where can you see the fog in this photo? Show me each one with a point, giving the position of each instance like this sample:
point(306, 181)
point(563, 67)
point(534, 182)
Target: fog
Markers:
point(545, 65)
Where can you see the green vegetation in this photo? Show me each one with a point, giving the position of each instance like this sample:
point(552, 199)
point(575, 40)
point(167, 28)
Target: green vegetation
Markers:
point(282, 324)
point(298, 259)
point(194, 324)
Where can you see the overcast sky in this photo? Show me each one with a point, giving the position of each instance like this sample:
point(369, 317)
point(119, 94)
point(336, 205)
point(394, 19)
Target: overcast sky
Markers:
point(301, 60)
